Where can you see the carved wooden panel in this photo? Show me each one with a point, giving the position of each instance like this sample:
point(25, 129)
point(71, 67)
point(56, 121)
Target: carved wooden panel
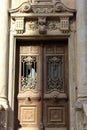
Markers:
point(28, 115)
point(43, 85)
point(55, 103)
point(55, 114)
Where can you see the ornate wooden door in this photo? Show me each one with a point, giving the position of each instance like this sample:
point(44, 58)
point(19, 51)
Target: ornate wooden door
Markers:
point(42, 86)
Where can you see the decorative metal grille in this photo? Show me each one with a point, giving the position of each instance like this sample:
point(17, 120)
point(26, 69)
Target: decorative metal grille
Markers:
point(55, 73)
point(28, 72)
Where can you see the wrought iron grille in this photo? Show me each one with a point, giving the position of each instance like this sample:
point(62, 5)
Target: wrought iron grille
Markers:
point(28, 72)
point(55, 73)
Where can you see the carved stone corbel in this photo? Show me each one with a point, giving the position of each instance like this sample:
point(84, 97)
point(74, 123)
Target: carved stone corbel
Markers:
point(19, 25)
point(64, 24)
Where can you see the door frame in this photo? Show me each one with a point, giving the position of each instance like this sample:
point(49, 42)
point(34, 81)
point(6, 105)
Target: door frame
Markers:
point(72, 79)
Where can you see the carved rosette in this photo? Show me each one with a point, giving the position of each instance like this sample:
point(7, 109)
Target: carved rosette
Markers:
point(42, 18)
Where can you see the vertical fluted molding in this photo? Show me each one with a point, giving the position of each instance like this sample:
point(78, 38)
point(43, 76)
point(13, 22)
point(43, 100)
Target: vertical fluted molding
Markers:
point(81, 49)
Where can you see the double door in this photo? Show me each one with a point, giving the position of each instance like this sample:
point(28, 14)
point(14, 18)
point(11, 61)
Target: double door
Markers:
point(41, 90)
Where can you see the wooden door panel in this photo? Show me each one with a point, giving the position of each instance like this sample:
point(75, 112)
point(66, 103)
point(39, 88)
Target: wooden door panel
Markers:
point(55, 95)
point(29, 95)
point(43, 86)
point(55, 114)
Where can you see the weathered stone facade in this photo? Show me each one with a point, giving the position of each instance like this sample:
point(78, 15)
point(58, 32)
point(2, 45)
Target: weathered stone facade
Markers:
point(44, 20)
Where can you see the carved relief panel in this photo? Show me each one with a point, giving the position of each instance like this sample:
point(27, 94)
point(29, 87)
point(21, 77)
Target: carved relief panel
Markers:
point(42, 17)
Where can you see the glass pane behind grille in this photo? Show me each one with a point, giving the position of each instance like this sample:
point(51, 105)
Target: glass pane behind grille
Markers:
point(28, 72)
point(55, 73)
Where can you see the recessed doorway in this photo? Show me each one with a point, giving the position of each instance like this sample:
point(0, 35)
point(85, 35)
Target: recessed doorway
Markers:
point(41, 85)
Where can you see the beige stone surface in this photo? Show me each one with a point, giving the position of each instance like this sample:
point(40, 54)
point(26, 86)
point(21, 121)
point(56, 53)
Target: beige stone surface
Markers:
point(68, 3)
point(81, 48)
point(77, 48)
point(3, 52)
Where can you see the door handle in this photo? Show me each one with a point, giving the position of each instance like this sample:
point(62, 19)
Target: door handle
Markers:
point(55, 97)
point(33, 98)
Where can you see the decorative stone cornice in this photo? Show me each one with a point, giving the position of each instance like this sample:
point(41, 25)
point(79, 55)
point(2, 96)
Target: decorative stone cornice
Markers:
point(44, 18)
point(42, 8)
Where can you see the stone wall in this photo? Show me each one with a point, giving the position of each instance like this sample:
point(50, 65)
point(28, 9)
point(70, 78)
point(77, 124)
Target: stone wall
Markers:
point(76, 34)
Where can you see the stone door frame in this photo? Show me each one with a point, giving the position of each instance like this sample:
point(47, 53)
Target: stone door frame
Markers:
point(19, 30)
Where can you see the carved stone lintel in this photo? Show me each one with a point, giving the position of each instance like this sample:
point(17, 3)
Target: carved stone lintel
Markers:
point(34, 18)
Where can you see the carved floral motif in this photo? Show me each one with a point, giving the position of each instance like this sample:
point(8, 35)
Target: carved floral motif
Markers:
point(32, 25)
point(43, 10)
point(53, 25)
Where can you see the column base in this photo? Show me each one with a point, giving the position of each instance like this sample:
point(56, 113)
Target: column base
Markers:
point(3, 104)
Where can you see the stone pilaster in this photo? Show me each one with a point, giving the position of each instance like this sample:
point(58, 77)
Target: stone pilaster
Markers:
point(81, 63)
point(3, 63)
point(81, 48)
point(3, 52)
